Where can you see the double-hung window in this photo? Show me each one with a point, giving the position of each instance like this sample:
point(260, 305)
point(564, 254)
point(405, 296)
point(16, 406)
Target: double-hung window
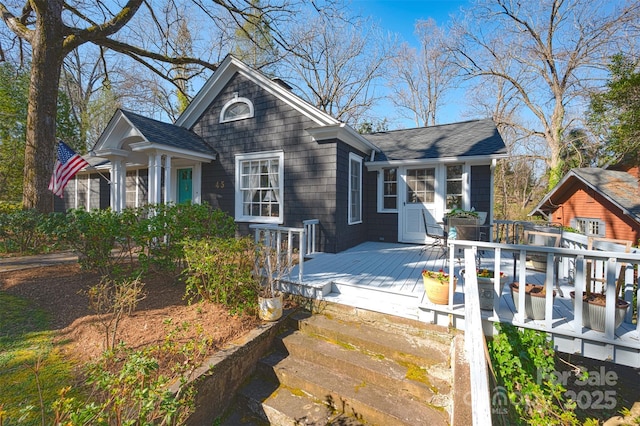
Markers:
point(259, 187)
point(454, 187)
point(355, 189)
point(388, 190)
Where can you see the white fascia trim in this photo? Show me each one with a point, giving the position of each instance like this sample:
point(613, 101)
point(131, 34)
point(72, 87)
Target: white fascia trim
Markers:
point(345, 133)
point(475, 160)
point(221, 77)
point(112, 152)
point(176, 152)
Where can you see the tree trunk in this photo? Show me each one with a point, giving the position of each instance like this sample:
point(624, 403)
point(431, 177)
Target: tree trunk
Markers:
point(46, 64)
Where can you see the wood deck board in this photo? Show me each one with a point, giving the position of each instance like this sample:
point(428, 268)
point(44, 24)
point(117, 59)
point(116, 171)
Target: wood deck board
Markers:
point(396, 269)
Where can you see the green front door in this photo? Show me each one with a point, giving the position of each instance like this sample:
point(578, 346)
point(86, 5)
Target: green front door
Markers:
point(185, 185)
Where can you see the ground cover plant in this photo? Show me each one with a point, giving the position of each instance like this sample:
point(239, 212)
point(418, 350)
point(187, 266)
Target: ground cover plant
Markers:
point(101, 340)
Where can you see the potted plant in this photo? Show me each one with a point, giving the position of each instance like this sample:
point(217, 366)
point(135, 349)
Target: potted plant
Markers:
point(461, 224)
point(486, 286)
point(534, 299)
point(594, 304)
point(269, 268)
point(436, 285)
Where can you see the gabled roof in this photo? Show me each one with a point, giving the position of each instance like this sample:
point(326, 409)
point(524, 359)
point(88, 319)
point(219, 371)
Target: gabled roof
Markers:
point(225, 72)
point(620, 188)
point(327, 126)
point(146, 133)
point(476, 138)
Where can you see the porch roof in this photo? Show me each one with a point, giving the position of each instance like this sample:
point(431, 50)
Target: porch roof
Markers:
point(168, 134)
point(476, 138)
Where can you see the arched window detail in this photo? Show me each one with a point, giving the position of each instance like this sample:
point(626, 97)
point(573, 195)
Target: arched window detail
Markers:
point(236, 109)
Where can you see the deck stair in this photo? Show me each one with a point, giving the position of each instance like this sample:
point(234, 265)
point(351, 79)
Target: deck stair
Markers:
point(336, 368)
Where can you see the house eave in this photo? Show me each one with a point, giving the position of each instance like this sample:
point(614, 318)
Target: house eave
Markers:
point(344, 133)
point(147, 147)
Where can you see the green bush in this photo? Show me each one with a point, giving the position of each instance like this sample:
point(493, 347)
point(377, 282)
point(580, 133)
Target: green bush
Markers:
point(524, 363)
point(128, 389)
point(168, 225)
point(221, 270)
point(28, 231)
point(93, 236)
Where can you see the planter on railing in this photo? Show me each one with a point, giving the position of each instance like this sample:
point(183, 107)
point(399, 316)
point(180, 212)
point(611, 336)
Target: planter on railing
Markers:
point(534, 300)
point(486, 287)
point(594, 311)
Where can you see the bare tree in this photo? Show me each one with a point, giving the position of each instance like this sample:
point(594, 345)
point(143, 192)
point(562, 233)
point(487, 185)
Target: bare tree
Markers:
point(421, 79)
point(335, 63)
point(551, 52)
point(46, 31)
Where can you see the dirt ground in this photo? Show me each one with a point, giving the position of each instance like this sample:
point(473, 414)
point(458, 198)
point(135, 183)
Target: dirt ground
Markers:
point(60, 290)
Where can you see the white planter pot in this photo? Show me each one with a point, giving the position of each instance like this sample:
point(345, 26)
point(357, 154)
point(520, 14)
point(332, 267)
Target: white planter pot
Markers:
point(270, 308)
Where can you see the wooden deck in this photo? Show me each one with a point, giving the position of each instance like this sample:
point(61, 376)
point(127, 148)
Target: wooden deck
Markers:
point(385, 277)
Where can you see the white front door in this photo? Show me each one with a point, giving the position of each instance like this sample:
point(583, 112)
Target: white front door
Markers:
point(417, 193)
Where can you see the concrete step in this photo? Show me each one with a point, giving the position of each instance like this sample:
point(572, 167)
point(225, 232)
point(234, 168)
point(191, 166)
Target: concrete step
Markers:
point(351, 368)
point(403, 377)
point(263, 401)
point(425, 346)
point(351, 394)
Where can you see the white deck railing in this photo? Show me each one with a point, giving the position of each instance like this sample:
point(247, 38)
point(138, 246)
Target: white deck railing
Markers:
point(567, 266)
point(284, 238)
point(563, 265)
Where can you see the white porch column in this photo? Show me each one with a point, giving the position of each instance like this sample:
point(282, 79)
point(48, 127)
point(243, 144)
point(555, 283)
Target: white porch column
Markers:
point(156, 175)
point(118, 190)
point(123, 185)
point(168, 190)
point(197, 183)
point(150, 180)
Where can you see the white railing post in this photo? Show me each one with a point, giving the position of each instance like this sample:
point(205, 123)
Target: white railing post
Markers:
point(579, 285)
point(612, 299)
point(549, 285)
point(475, 344)
point(301, 253)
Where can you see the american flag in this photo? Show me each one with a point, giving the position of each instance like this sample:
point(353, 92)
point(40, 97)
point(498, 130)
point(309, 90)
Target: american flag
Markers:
point(67, 165)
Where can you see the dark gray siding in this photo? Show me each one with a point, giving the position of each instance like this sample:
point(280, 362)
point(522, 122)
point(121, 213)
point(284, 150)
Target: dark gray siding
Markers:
point(310, 168)
point(349, 235)
point(481, 188)
point(99, 197)
point(380, 226)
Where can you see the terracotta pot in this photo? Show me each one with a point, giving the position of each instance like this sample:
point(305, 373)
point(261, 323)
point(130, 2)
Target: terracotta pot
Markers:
point(593, 311)
point(270, 308)
point(534, 300)
point(437, 291)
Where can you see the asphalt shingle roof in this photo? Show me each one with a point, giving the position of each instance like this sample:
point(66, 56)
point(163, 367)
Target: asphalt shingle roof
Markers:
point(168, 134)
point(620, 187)
point(469, 138)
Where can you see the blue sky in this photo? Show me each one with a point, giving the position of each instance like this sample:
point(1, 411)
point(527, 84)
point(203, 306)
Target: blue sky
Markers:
point(399, 16)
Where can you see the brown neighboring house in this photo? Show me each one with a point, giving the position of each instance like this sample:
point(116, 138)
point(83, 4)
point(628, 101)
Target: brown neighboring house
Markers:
point(597, 201)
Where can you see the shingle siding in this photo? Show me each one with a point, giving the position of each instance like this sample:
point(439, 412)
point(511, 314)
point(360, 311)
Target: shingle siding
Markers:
point(481, 188)
point(309, 167)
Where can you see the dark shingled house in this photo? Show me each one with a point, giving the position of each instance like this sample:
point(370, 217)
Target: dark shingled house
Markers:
point(249, 146)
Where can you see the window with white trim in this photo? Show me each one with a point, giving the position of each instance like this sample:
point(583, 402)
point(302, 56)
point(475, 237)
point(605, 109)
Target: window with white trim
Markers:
point(388, 190)
point(259, 187)
point(454, 187)
point(136, 188)
point(236, 109)
point(589, 226)
point(355, 189)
